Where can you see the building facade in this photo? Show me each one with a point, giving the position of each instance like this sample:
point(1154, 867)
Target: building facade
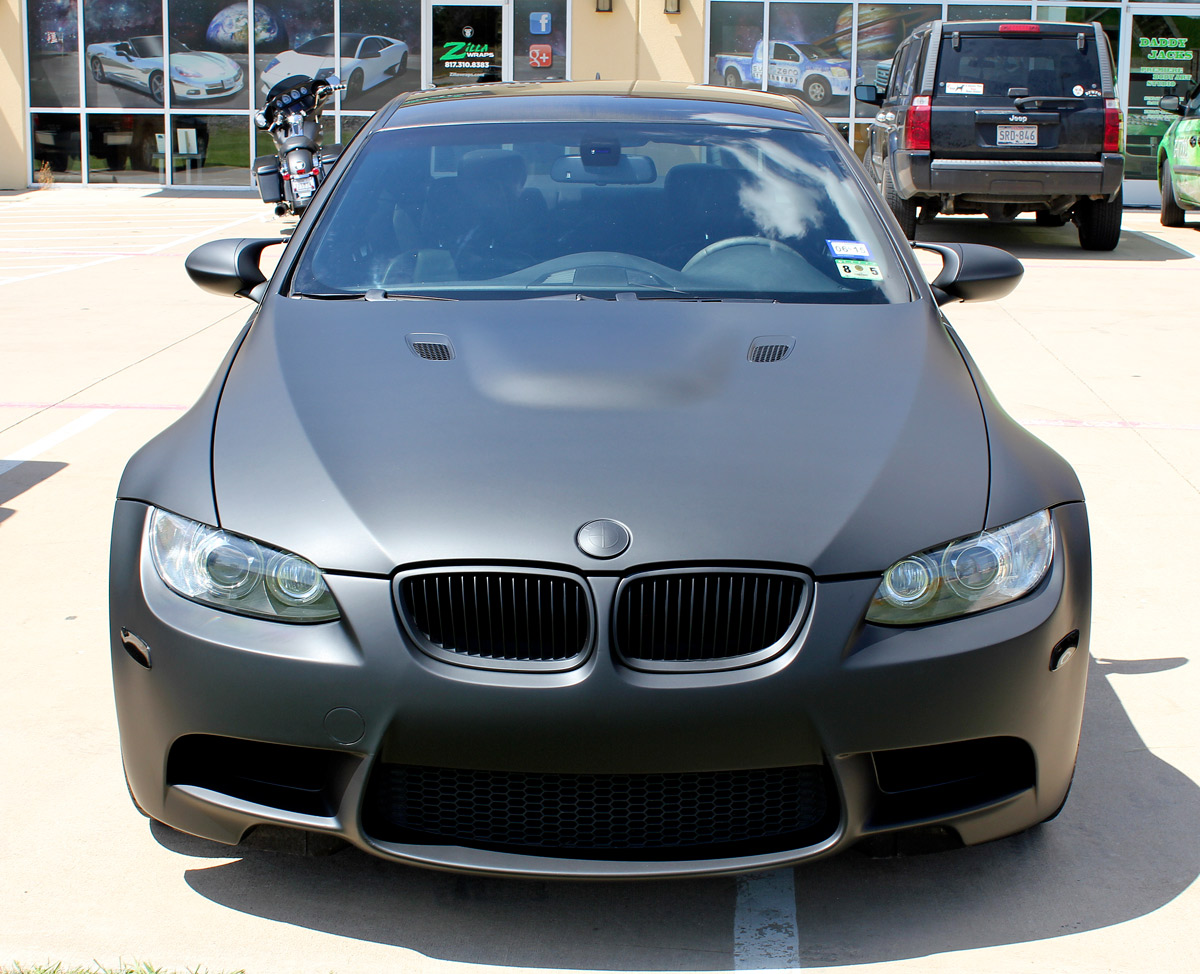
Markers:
point(163, 92)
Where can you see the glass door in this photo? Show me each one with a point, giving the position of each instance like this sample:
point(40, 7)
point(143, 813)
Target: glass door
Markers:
point(1164, 59)
point(469, 43)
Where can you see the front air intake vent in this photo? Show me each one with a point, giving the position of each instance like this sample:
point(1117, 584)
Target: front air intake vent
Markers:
point(434, 348)
point(770, 348)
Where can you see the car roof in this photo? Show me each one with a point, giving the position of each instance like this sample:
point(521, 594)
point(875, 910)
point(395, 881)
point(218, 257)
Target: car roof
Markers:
point(587, 100)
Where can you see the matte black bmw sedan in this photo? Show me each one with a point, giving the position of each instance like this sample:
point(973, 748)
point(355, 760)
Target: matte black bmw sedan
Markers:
point(597, 490)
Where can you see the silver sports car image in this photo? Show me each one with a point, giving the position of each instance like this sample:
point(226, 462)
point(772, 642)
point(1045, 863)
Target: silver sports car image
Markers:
point(138, 63)
point(367, 60)
point(598, 490)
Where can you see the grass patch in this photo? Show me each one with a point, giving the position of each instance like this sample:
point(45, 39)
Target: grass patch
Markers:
point(121, 968)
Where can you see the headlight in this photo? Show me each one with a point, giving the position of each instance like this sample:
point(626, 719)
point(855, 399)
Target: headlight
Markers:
point(236, 574)
point(967, 575)
point(839, 73)
point(181, 73)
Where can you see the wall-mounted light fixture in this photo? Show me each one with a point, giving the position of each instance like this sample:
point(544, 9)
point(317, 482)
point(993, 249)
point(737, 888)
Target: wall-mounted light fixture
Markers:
point(603, 6)
point(670, 6)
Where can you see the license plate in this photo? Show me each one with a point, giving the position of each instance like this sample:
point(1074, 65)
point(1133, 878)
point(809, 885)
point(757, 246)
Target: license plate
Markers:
point(303, 186)
point(1016, 135)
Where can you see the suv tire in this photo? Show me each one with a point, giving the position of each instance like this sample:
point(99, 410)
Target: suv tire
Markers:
point(1170, 213)
point(1099, 223)
point(905, 211)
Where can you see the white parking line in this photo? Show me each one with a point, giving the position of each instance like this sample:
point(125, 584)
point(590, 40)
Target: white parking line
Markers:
point(764, 922)
point(52, 440)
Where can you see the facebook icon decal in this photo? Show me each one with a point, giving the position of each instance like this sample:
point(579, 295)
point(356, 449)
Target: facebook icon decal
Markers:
point(539, 23)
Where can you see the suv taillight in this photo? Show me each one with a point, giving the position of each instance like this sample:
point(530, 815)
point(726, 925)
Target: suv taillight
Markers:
point(917, 123)
point(1112, 125)
point(1020, 29)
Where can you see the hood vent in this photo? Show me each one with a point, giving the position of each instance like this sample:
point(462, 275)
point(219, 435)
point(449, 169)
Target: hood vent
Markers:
point(771, 348)
point(435, 348)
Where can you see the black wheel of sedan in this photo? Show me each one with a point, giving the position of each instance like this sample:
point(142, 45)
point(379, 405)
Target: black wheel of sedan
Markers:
point(1170, 213)
point(156, 87)
point(905, 211)
point(1099, 223)
point(817, 90)
point(98, 71)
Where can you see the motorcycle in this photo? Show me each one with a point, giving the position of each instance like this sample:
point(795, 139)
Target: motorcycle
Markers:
point(292, 116)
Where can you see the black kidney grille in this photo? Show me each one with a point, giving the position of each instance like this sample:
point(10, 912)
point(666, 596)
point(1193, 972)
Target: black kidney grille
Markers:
point(519, 810)
point(705, 616)
point(510, 616)
point(768, 353)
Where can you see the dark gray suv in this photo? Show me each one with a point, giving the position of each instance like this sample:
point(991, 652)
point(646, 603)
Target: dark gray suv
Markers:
point(1001, 118)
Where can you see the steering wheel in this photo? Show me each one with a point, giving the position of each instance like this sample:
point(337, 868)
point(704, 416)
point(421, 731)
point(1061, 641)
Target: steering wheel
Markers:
point(659, 274)
point(734, 243)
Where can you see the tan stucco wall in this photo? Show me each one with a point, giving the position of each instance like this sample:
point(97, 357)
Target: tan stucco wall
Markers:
point(14, 147)
point(637, 40)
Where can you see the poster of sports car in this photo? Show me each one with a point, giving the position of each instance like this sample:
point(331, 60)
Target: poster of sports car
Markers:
point(386, 60)
point(119, 72)
point(283, 31)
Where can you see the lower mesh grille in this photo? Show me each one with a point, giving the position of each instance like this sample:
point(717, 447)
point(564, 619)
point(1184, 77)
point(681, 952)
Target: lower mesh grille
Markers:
point(734, 811)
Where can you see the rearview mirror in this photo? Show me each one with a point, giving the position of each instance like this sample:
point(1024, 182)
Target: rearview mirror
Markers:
point(230, 267)
point(973, 272)
point(628, 169)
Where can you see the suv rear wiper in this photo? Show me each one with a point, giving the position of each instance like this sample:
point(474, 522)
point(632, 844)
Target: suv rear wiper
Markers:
point(1037, 101)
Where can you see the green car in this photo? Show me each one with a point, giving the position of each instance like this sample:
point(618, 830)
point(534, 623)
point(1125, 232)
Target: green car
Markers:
point(1179, 159)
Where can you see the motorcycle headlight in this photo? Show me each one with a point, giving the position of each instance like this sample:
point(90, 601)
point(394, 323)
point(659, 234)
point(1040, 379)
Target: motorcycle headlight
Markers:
point(968, 575)
point(236, 574)
point(839, 73)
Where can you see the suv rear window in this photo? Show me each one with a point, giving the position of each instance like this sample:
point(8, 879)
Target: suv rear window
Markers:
point(990, 64)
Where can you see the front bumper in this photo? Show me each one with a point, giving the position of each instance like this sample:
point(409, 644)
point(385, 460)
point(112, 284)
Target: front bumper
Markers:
point(355, 700)
point(1003, 180)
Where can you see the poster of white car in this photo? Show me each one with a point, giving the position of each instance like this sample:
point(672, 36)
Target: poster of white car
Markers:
point(367, 60)
point(138, 63)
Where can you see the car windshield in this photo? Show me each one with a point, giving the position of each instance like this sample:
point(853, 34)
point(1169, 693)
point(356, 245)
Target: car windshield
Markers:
point(152, 46)
point(542, 209)
point(1056, 65)
point(322, 45)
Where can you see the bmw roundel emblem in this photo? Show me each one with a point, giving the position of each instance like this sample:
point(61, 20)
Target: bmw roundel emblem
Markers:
point(603, 538)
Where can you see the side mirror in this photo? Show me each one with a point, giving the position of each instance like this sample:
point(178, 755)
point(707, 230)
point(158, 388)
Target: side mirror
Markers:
point(973, 272)
point(869, 94)
point(1171, 104)
point(230, 267)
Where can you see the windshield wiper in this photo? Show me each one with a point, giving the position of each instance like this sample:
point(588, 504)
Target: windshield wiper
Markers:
point(379, 294)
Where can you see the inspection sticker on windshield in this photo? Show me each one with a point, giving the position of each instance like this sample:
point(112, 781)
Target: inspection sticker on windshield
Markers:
point(964, 88)
point(860, 270)
point(848, 248)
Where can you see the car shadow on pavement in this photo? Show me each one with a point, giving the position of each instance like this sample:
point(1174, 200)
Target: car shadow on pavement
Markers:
point(1024, 238)
point(16, 480)
point(1123, 847)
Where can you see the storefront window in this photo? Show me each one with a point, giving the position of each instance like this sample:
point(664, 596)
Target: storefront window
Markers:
point(1164, 57)
point(123, 53)
point(210, 150)
point(735, 32)
point(539, 40)
point(381, 51)
point(57, 152)
point(881, 29)
point(809, 54)
point(54, 54)
point(986, 11)
point(209, 54)
point(298, 41)
point(126, 148)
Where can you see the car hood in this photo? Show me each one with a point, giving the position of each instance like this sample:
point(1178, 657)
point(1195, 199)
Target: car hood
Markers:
point(335, 440)
point(210, 62)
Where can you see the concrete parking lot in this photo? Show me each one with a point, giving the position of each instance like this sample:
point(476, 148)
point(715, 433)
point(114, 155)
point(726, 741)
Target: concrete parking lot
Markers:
point(104, 342)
